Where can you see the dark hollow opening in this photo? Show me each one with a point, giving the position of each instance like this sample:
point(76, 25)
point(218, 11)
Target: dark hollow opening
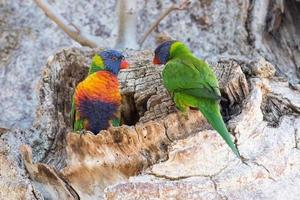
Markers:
point(229, 111)
point(129, 112)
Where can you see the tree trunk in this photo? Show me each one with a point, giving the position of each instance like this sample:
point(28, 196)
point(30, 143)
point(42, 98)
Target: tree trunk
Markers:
point(127, 12)
point(157, 154)
point(157, 142)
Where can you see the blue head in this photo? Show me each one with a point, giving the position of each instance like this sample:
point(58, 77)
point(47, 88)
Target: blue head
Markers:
point(162, 52)
point(113, 61)
point(169, 50)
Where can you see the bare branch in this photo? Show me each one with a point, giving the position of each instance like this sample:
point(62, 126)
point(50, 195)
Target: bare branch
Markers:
point(127, 24)
point(182, 6)
point(72, 30)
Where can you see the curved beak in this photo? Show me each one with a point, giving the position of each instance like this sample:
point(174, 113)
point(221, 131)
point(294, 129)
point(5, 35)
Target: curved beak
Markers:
point(155, 61)
point(124, 64)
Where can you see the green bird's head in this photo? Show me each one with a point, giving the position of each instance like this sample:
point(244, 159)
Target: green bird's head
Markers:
point(110, 60)
point(168, 50)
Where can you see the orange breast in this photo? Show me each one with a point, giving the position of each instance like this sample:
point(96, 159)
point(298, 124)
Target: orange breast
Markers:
point(102, 86)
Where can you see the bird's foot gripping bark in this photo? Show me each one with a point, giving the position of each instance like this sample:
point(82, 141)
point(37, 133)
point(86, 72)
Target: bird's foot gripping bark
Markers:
point(81, 132)
point(183, 116)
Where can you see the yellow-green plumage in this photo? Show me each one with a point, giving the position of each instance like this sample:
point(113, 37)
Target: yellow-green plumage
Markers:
point(192, 83)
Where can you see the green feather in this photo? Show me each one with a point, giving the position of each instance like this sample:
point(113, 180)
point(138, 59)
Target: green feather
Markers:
point(73, 112)
point(192, 83)
point(116, 122)
point(178, 76)
point(211, 111)
point(78, 125)
point(96, 65)
point(93, 69)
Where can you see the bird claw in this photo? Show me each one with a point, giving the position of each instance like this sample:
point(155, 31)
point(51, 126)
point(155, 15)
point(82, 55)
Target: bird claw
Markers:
point(81, 132)
point(185, 115)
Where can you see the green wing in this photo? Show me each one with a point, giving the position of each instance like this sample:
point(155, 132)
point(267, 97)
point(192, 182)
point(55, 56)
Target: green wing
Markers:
point(116, 122)
point(191, 78)
point(73, 111)
point(201, 92)
point(77, 124)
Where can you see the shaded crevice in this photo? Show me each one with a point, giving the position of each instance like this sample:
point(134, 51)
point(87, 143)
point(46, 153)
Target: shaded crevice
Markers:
point(265, 168)
point(169, 178)
point(166, 132)
point(280, 37)
point(147, 155)
point(129, 112)
point(274, 108)
point(138, 135)
point(236, 141)
point(34, 194)
point(296, 138)
point(186, 177)
point(234, 88)
point(160, 176)
point(70, 188)
point(229, 111)
point(250, 36)
point(245, 160)
point(216, 188)
point(274, 18)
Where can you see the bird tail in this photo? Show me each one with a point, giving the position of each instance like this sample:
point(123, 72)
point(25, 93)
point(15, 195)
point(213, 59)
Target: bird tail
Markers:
point(211, 111)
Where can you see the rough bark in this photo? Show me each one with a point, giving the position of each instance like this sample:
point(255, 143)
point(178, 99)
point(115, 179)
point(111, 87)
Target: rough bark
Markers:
point(151, 155)
point(214, 28)
point(177, 159)
point(274, 31)
point(201, 167)
point(14, 185)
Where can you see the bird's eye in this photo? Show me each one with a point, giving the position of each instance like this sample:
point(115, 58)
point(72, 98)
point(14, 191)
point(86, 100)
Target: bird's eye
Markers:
point(114, 58)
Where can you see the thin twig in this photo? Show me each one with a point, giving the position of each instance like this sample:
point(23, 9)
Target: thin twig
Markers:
point(72, 30)
point(182, 6)
point(127, 24)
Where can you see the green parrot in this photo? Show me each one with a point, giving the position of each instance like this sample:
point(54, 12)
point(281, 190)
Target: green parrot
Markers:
point(192, 83)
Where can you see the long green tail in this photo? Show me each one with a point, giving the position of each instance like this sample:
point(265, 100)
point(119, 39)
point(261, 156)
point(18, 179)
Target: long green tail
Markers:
point(211, 111)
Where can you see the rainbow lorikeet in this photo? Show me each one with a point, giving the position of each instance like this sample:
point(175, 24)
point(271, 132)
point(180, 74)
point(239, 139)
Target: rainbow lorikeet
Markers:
point(192, 83)
point(97, 98)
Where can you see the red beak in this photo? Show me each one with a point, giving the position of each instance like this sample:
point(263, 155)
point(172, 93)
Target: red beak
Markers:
point(156, 61)
point(124, 64)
